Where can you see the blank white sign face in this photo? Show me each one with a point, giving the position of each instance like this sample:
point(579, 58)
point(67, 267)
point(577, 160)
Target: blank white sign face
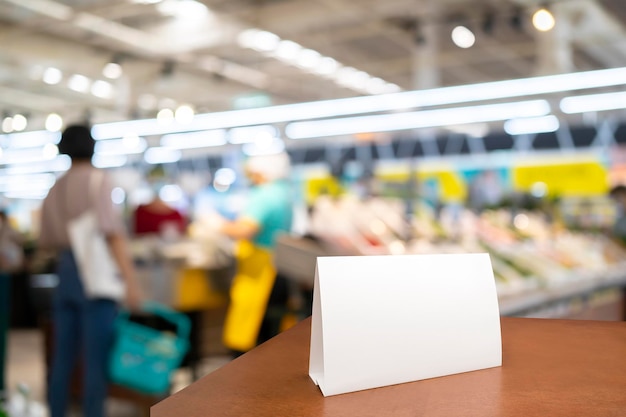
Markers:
point(383, 320)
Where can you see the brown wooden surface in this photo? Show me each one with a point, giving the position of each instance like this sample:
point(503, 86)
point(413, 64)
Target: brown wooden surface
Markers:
point(550, 368)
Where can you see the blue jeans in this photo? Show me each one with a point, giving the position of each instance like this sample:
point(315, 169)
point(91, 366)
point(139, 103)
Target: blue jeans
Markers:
point(83, 331)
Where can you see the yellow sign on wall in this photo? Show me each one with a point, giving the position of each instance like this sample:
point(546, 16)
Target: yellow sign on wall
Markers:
point(584, 178)
point(324, 185)
point(562, 176)
point(451, 186)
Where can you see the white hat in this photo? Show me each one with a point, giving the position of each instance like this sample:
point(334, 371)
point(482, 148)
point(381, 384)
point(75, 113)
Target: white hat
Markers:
point(272, 167)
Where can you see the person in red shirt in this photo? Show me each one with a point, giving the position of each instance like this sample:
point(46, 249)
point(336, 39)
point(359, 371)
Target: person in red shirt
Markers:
point(157, 217)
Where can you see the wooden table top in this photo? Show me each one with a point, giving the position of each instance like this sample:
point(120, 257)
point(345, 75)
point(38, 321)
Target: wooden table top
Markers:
point(550, 368)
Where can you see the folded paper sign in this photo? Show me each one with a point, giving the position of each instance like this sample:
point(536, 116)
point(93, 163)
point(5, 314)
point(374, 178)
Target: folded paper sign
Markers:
point(385, 320)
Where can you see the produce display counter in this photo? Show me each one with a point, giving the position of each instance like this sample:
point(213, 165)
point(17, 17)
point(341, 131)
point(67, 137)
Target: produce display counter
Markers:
point(550, 368)
point(581, 291)
point(569, 300)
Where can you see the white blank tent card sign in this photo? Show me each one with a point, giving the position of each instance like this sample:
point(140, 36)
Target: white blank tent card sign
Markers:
point(385, 320)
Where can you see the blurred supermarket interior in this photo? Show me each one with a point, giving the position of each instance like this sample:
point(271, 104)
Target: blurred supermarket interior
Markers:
point(413, 127)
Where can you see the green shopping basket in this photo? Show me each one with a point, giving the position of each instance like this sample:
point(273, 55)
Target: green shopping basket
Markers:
point(143, 358)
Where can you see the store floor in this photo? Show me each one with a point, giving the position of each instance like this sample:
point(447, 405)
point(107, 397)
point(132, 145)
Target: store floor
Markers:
point(26, 365)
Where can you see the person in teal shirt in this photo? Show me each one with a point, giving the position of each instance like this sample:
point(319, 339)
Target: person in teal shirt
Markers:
point(269, 210)
point(258, 297)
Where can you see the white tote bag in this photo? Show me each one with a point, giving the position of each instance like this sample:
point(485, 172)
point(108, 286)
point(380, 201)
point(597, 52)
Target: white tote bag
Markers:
point(98, 270)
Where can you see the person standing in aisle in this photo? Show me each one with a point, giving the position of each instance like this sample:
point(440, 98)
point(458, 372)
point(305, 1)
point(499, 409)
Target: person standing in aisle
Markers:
point(82, 325)
point(268, 213)
point(11, 259)
point(158, 217)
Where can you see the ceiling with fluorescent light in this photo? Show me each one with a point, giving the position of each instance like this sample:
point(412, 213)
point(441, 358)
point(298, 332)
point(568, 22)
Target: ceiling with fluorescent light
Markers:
point(177, 52)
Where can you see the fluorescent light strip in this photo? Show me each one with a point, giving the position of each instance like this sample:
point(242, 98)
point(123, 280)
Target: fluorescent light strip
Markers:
point(251, 134)
point(120, 147)
point(530, 125)
point(309, 60)
point(109, 161)
point(29, 139)
point(59, 164)
point(202, 139)
point(16, 183)
point(265, 148)
point(593, 102)
point(162, 155)
point(27, 194)
point(416, 120)
point(27, 155)
point(370, 104)
point(476, 130)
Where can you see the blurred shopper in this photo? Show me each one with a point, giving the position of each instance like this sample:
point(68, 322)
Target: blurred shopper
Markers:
point(82, 327)
point(485, 191)
point(618, 194)
point(11, 259)
point(268, 213)
point(157, 217)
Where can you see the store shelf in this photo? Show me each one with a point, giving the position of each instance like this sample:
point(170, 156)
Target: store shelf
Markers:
point(295, 260)
point(576, 292)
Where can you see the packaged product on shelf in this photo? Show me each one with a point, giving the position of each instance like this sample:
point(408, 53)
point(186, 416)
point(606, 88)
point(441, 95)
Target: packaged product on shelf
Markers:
point(528, 251)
